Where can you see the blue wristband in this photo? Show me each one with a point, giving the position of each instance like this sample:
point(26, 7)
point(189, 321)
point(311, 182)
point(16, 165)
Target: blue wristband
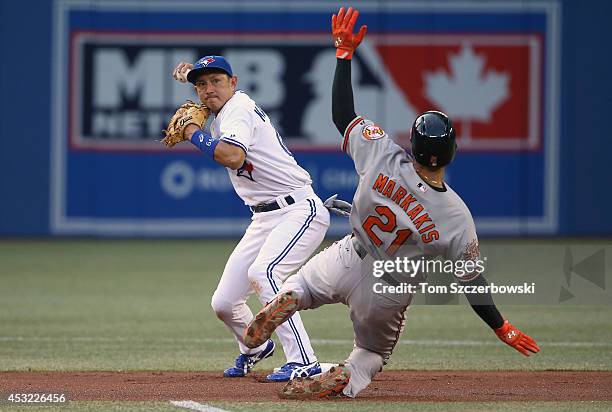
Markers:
point(205, 142)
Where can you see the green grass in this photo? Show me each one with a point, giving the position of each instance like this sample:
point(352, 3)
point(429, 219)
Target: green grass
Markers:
point(327, 406)
point(145, 305)
point(416, 406)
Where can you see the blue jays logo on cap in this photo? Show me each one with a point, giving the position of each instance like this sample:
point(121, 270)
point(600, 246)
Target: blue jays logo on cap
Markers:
point(204, 61)
point(207, 63)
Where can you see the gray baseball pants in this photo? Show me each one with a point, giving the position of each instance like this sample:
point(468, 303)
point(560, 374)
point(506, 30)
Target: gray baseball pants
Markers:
point(339, 275)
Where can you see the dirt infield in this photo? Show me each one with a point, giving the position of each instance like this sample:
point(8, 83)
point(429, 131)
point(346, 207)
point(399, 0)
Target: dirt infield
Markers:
point(389, 386)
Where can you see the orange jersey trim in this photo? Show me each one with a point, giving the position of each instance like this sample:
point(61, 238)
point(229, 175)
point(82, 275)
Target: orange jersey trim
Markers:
point(348, 131)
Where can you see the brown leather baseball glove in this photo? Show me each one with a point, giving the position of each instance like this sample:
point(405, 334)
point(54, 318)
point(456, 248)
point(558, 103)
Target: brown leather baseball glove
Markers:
point(189, 113)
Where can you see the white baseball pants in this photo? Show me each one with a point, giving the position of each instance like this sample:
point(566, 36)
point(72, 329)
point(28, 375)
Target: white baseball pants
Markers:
point(274, 246)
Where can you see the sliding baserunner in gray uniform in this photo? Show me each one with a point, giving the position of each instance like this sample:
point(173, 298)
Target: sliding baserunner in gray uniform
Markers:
point(402, 208)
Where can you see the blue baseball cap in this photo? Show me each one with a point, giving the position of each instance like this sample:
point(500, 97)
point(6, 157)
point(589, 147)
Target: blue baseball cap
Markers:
point(207, 63)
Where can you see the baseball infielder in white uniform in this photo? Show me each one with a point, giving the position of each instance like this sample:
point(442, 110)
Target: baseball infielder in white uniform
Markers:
point(402, 208)
point(289, 220)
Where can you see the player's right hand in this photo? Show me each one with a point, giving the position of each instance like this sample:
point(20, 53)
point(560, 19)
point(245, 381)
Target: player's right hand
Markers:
point(180, 71)
point(342, 30)
point(510, 335)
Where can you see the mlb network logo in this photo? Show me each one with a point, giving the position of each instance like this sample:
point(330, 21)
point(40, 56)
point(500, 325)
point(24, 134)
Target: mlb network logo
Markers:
point(488, 84)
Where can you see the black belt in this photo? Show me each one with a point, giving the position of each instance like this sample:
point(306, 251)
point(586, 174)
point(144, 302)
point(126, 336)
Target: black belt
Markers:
point(268, 207)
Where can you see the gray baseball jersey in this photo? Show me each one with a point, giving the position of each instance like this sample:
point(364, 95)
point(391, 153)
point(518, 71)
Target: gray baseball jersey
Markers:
point(396, 213)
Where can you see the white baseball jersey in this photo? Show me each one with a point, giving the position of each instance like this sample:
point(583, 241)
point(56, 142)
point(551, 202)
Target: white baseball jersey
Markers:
point(269, 170)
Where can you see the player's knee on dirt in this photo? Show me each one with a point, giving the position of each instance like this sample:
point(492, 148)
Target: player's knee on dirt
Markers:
point(222, 307)
point(363, 365)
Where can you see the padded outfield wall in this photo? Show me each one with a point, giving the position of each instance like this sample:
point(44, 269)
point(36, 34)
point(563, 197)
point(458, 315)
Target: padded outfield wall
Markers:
point(527, 84)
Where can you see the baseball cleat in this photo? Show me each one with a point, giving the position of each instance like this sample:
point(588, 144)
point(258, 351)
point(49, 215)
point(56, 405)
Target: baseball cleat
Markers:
point(269, 318)
point(244, 363)
point(294, 370)
point(331, 383)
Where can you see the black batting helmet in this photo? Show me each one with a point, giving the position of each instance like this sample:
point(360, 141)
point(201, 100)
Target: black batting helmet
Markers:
point(433, 139)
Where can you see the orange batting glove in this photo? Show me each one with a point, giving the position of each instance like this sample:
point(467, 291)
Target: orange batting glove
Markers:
point(342, 29)
point(510, 335)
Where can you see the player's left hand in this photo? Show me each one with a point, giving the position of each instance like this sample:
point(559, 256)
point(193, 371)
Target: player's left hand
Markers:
point(188, 113)
point(342, 30)
point(510, 335)
point(337, 206)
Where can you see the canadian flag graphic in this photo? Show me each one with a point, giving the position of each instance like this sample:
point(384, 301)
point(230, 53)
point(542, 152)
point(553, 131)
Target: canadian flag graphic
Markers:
point(490, 86)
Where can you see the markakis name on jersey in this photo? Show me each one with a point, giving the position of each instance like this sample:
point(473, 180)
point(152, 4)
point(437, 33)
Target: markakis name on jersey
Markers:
point(422, 222)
